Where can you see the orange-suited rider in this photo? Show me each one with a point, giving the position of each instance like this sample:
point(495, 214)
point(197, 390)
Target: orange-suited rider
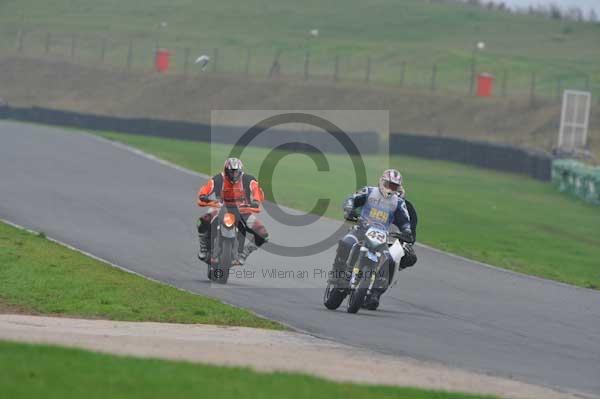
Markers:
point(232, 187)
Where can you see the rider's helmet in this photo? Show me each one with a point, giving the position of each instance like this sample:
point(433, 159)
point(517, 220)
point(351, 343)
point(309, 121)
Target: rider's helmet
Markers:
point(390, 182)
point(233, 169)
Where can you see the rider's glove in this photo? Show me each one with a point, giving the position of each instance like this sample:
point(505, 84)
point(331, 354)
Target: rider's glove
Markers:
point(203, 198)
point(255, 204)
point(349, 211)
point(350, 215)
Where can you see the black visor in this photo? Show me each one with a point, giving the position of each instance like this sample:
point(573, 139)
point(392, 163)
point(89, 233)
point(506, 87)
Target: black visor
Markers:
point(233, 174)
point(391, 186)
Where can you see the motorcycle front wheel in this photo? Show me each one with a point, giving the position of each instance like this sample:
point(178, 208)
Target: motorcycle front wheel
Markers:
point(220, 273)
point(357, 295)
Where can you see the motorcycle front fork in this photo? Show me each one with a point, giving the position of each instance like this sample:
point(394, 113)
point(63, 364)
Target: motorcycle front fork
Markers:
point(357, 271)
point(215, 247)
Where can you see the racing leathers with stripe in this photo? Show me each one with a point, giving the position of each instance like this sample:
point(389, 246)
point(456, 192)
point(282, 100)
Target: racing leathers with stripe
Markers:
point(244, 192)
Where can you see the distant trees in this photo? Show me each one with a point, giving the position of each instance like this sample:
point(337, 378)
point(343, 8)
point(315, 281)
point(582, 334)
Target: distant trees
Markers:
point(574, 14)
point(551, 11)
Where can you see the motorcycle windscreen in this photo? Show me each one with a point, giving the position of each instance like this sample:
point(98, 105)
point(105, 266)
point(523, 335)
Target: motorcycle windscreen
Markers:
point(396, 251)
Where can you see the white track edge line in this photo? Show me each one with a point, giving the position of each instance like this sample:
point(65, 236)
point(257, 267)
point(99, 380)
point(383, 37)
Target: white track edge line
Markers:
point(163, 162)
point(144, 154)
point(508, 271)
point(291, 328)
point(124, 269)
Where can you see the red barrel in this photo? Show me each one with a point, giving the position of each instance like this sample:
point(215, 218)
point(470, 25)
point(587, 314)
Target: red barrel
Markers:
point(161, 60)
point(485, 85)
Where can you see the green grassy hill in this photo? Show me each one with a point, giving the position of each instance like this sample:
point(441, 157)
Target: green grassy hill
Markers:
point(418, 32)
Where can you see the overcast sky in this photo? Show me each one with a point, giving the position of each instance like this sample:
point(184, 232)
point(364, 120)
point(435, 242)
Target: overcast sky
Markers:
point(586, 5)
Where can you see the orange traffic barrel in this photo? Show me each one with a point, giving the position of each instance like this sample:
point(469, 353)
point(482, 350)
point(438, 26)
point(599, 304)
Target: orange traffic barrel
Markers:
point(485, 85)
point(161, 60)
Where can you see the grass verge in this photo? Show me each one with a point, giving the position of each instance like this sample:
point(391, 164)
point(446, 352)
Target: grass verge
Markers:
point(31, 371)
point(40, 276)
point(503, 219)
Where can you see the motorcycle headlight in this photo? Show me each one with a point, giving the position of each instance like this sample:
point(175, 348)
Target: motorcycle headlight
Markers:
point(370, 243)
point(373, 244)
point(229, 220)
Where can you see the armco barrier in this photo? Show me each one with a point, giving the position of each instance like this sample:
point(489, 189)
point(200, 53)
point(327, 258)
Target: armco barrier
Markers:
point(367, 142)
point(149, 127)
point(486, 155)
point(577, 179)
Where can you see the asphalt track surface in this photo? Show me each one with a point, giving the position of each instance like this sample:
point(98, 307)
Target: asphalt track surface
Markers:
point(140, 214)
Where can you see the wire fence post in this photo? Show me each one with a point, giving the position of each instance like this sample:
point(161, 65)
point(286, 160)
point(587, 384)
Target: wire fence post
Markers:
point(559, 89)
point(186, 60)
point(73, 45)
point(21, 33)
point(368, 70)
point(587, 82)
point(306, 65)
point(130, 55)
point(48, 41)
point(504, 82)
point(433, 77)
point(532, 89)
point(215, 59)
point(472, 75)
point(275, 69)
point(103, 51)
point(247, 66)
point(336, 68)
point(402, 73)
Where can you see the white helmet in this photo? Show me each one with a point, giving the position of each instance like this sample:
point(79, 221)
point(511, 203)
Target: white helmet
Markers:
point(390, 182)
point(233, 169)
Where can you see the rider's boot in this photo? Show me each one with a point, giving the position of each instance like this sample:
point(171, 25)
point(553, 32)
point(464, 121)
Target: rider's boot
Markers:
point(243, 255)
point(203, 239)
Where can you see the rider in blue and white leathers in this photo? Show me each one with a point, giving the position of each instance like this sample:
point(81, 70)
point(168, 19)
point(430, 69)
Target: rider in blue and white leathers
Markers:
point(383, 206)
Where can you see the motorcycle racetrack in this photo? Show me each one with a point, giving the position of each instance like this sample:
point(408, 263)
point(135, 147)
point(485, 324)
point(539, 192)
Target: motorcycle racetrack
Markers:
point(140, 214)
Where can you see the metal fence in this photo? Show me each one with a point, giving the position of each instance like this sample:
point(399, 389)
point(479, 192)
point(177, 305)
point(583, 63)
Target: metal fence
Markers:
point(137, 53)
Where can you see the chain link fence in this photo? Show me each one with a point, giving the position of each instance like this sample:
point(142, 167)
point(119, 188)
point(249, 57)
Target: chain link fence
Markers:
point(318, 65)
